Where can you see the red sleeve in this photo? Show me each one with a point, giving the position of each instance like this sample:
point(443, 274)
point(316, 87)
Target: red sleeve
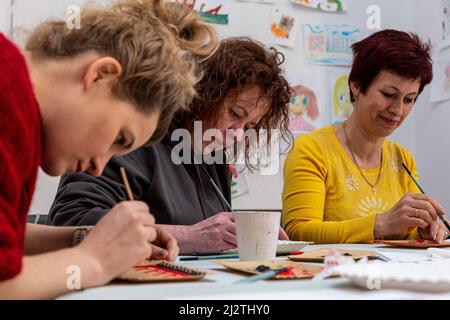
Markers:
point(19, 155)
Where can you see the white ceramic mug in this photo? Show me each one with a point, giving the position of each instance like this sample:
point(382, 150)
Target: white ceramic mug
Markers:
point(257, 234)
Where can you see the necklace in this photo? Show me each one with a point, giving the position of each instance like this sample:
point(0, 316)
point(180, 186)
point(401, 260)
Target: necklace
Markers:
point(356, 162)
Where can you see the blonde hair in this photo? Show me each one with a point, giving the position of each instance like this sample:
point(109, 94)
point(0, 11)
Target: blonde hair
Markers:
point(156, 43)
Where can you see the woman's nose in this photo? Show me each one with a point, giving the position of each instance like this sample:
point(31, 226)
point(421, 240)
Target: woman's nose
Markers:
point(239, 125)
point(396, 107)
point(97, 165)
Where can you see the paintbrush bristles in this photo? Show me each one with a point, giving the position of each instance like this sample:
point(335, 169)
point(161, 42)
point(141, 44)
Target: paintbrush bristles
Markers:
point(126, 183)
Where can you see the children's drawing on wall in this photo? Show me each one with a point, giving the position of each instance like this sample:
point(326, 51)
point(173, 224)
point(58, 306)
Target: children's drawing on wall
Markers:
point(283, 28)
point(306, 101)
point(211, 11)
point(239, 185)
point(445, 23)
point(330, 44)
point(260, 1)
point(324, 5)
point(303, 103)
point(440, 87)
point(342, 106)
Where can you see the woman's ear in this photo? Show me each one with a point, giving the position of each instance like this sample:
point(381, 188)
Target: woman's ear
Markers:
point(355, 90)
point(103, 69)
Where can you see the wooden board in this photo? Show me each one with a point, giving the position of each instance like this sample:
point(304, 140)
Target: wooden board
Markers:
point(424, 244)
point(320, 254)
point(161, 271)
point(296, 270)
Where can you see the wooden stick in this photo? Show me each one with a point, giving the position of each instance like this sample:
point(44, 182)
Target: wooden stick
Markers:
point(126, 183)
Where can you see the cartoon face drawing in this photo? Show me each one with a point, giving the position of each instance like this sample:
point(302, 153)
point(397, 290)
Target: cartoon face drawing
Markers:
point(298, 104)
point(303, 102)
point(342, 105)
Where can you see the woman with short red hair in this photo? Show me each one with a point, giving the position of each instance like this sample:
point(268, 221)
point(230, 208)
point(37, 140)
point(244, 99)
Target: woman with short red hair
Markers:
point(345, 183)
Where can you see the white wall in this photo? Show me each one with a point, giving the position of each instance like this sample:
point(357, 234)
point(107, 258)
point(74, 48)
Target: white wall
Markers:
point(432, 119)
point(5, 16)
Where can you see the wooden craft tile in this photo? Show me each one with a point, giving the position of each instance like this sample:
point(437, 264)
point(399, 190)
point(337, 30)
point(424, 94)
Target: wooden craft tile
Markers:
point(424, 244)
point(320, 254)
point(161, 271)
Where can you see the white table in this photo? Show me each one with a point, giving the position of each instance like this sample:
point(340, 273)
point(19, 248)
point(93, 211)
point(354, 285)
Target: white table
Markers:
point(217, 285)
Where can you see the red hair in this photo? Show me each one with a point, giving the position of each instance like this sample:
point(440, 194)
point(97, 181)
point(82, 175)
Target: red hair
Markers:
point(401, 53)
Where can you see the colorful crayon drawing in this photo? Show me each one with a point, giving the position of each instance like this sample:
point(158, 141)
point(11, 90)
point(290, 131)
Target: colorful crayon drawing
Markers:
point(283, 28)
point(210, 11)
point(342, 105)
point(324, 5)
point(304, 101)
point(307, 99)
point(330, 44)
point(260, 1)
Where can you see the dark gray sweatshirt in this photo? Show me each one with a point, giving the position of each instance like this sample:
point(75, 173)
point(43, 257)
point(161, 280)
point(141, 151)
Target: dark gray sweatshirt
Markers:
point(176, 194)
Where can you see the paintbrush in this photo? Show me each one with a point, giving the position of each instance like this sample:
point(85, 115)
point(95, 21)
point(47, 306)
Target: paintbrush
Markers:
point(126, 183)
point(262, 276)
point(423, 192)
point(216, 188)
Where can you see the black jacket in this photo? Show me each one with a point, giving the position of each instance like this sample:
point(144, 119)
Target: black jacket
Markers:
point(176, 194)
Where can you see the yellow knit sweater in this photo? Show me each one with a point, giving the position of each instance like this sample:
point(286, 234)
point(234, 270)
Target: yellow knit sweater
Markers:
point(325, 199)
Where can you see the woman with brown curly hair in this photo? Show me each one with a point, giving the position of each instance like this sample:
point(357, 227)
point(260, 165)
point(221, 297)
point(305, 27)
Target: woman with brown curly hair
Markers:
point(242, 89)
point(74, 99)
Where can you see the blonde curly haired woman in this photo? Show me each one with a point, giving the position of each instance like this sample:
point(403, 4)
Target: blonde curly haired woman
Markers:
point(77, 98)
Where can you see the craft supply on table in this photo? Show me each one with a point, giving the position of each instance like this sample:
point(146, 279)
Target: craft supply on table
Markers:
point(294, 270)
point(265, 273)
point(211, 257)
point(160, 271)
point(319, 255)
point(430, 276)
point(419, 244)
